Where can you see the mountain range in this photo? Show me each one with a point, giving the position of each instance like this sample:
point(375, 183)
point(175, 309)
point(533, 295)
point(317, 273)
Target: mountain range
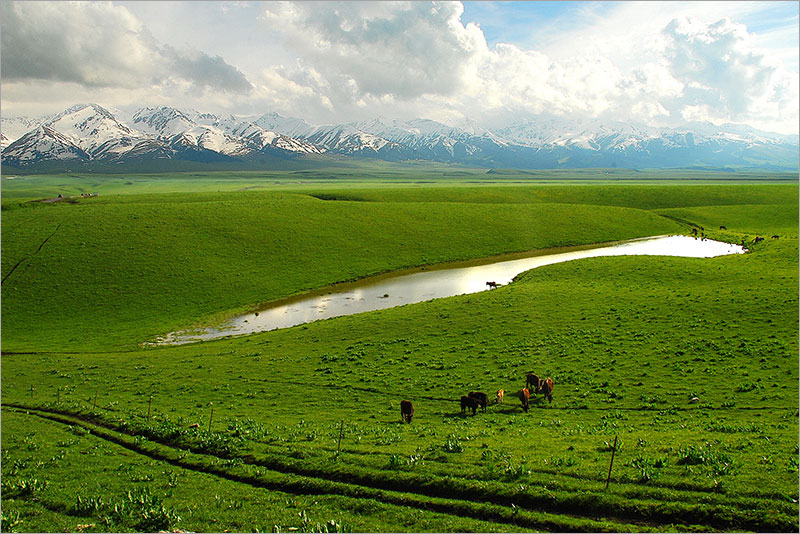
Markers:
point(91, 137)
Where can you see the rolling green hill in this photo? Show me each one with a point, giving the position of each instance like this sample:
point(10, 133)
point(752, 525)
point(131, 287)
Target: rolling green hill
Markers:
point(689, 364)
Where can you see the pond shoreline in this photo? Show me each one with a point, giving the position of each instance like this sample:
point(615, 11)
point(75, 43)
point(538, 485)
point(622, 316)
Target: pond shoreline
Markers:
point(429, 282)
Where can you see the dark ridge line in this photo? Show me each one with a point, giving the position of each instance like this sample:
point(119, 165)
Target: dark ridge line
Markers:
point(28, 256)
point(383, 485)
point(458, 508)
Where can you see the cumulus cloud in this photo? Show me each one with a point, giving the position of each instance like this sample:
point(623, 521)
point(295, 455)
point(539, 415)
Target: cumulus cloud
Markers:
point(401, 49)
point(336, 62)
point(363, 54)
point(721, 70)
point(100, 45)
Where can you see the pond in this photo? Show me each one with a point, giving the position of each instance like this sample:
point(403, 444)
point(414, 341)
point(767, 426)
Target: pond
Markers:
point(408, 287)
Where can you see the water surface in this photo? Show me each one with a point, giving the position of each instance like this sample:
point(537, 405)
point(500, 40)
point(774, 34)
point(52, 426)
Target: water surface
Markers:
point(392, 290)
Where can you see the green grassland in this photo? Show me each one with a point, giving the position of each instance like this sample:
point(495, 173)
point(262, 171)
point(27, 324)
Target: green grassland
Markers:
point(300, 428)
point(352, 173)
point(120, 270)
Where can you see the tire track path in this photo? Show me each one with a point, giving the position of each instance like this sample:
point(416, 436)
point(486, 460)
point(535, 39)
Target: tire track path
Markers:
point(305, 484)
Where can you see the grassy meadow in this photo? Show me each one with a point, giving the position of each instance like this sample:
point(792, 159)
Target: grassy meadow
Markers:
point(299, 429)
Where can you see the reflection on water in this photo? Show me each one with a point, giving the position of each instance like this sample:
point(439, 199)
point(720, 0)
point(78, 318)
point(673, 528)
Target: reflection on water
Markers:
point(386, 292)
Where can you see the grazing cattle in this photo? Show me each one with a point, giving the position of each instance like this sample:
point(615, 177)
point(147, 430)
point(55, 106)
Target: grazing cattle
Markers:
point(499, 397)
point(406, 411)
point(722, 228)
point(492, 285)
point(775, 237)
point(469, 402)
point(524, 397)
point(532, 380)
point(546, 388)
point(757, 239)
point(481, 397)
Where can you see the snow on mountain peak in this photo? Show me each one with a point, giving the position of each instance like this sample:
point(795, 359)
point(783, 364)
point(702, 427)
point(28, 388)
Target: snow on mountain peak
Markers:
point(93, 133)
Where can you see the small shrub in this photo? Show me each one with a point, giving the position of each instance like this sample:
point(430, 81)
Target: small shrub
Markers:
point(561, 462)
point(733, 428)
point(515, 471)
point(792, 465)
point(9, 520)
point(395, 461)
point(137, 508)
point(745, 387)
point(307, 525)
point(719, 463)
point(414, 459)
point(246, 428)
point(87, 505)
point(453, 445)
point(648, 468)
point(22, 486)
point(145, 512)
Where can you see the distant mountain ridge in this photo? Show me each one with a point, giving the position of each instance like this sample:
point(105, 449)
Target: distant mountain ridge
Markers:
point(90, 136)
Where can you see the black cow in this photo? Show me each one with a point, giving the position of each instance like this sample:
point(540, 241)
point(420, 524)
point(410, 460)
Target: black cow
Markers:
point(482, 398)
point(406, 410)
point(532, 382)
point(469, 402)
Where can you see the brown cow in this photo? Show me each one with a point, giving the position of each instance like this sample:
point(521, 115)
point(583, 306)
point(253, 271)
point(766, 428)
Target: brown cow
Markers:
point(481, 397)
point(524, 397)
point(406, 411)
point(532, 380)
point(499, 398)
point(547, 389)
point(469, 402)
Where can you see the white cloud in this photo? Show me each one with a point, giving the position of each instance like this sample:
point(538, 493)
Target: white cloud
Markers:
point(361, 54)
point(726, 79)
point(402, 49)
point(98, 44)
point(343, 61)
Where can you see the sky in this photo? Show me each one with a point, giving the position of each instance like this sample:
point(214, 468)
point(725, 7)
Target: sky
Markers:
point(656, 63)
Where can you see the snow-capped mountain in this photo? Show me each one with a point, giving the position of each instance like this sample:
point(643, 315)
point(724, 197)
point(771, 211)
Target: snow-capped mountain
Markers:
point(338, 138)
point(430, 139)
point(12, 128)
point(90, 135)
point(43, 143)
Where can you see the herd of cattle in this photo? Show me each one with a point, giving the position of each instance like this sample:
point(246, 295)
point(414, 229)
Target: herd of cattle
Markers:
point(477, 399)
